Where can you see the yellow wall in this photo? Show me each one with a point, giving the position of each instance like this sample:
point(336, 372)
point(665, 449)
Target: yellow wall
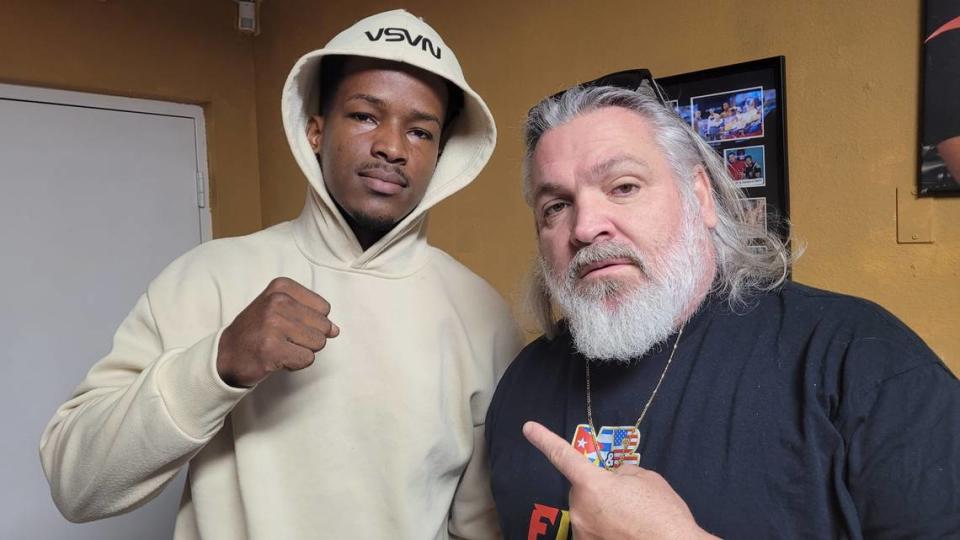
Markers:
point(852, 91)
point(173, 50)
point(852, 95)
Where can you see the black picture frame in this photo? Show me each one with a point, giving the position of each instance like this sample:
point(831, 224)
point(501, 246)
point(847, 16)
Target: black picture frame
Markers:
point(939, 106)
point(733, 130)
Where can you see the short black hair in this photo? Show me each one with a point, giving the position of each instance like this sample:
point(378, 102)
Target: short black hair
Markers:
point(331, 73)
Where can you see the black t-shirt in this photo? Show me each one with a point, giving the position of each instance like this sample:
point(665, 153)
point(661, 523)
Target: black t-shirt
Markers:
point(812, 415)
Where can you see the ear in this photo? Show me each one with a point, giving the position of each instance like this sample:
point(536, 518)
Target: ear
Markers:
point(315, 133)
point(703, 190)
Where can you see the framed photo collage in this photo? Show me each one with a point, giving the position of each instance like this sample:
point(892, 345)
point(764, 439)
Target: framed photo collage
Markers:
point(741, 111)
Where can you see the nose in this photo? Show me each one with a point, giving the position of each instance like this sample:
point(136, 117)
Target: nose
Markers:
point(389, 144)
point(591, 224)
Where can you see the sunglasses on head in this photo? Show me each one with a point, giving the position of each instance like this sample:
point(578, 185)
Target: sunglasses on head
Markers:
point(630, 79)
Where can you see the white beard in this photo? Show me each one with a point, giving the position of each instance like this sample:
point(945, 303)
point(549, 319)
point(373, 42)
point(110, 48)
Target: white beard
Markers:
point(611, 323)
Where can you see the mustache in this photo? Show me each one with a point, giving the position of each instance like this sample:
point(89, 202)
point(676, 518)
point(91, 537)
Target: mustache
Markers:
point(386, 167)
point(595, 253)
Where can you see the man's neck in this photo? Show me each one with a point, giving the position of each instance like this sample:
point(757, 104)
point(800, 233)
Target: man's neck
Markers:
point(366, 237)
point(365, 234)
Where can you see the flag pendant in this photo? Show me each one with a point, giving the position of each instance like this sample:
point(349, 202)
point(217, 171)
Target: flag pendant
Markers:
point(612, 447)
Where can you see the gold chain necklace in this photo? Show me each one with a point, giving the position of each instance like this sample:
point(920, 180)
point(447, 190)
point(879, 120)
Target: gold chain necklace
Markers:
point(643, 413)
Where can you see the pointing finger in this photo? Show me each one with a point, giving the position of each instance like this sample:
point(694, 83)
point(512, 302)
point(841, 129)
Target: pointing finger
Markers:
point(571, 464)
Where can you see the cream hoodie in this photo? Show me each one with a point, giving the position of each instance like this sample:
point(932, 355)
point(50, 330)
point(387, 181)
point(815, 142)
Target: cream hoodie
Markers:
point(380, 438)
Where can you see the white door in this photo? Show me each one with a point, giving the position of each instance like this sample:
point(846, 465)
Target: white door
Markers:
point(97, 195)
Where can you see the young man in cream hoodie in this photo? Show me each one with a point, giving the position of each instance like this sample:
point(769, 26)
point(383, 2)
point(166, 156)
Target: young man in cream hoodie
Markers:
point(327, 377)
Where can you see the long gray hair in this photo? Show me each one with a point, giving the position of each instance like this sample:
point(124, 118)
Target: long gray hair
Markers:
point(749, 258)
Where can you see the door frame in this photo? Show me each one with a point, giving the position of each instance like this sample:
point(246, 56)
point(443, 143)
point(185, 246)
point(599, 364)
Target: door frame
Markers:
point(134, 105)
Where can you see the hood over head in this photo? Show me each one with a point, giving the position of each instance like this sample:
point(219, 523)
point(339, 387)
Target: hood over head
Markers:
point(400, 37)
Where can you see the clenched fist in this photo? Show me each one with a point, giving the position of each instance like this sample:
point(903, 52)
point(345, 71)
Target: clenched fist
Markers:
point(281, 329)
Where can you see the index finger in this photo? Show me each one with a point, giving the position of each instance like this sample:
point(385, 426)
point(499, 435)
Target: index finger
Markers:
point(303, 295)
point(568, 461)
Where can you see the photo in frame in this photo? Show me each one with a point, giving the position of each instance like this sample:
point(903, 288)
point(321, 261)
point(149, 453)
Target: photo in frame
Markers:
point(740, 110)
point(940, 107)
point(746, 165)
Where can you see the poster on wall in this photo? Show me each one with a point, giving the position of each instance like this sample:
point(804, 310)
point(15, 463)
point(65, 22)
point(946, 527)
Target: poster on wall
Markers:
point(741, 111)
point(940, 122)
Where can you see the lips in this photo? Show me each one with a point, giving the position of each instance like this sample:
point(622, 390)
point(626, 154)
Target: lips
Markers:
point(383, 182)
point(600, 265)
point(384, 176)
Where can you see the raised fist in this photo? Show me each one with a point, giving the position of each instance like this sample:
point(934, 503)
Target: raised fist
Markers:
point(282, 328)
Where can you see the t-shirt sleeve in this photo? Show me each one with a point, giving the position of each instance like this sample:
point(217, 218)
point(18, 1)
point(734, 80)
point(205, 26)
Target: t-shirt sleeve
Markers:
point(903, 455)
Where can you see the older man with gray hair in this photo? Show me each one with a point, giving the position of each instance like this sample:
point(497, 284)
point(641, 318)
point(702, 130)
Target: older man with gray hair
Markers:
point(694, 388)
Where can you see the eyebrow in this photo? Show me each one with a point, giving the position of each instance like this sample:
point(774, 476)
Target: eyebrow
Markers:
point(605, 167)
point(420, 116)
point(597, 172)
point(546, 188)
point(416, 115)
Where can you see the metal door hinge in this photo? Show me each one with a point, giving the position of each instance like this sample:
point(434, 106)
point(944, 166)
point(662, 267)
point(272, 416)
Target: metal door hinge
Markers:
point(201, 191)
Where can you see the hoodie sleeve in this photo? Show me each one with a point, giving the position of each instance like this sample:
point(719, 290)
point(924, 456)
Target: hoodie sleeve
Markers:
point(141, 414)
point(473, 514)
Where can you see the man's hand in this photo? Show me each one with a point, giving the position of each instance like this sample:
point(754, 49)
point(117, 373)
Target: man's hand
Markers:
point(281, 329)
point(629, 502)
